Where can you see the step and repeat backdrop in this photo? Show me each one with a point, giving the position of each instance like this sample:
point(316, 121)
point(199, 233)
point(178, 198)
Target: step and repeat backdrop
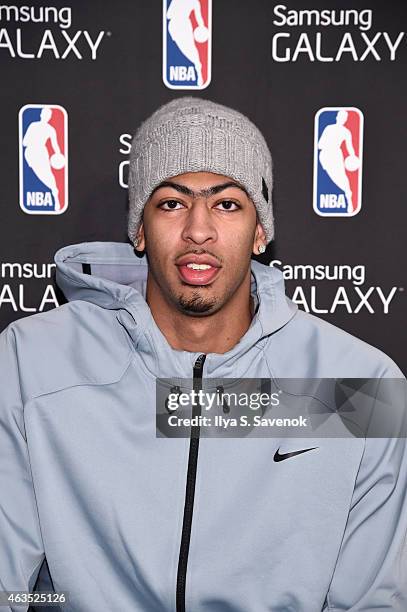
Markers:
point(325, 82)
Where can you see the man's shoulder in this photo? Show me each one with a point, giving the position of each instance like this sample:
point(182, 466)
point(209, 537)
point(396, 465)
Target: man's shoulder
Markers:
point(76, 343)
point(60, 323)
point(328, 350)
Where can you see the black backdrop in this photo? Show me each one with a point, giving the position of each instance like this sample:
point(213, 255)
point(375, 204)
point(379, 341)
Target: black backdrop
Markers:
point(108, 95)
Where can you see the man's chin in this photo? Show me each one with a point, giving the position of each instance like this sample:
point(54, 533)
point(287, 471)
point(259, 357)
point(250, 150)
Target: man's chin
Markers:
point(197, 303)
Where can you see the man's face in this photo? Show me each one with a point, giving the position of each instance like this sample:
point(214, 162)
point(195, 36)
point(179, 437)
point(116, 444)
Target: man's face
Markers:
point(199, 230)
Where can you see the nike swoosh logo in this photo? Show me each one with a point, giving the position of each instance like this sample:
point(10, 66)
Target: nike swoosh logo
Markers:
point(278, 457)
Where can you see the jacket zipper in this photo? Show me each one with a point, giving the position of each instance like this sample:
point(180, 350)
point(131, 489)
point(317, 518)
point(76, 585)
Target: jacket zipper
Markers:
point(190, 491)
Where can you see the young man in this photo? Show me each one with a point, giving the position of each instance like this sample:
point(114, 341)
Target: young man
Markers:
point(129, 520)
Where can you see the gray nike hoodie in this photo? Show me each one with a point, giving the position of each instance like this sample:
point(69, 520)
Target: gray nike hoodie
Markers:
point(123, 520)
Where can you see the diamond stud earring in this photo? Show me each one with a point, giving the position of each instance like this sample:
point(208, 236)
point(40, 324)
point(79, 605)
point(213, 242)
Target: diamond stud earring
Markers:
point(262, 248)
point(136, 241)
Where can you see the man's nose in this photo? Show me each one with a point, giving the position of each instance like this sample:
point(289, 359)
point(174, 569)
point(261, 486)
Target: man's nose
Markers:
point(199, 225)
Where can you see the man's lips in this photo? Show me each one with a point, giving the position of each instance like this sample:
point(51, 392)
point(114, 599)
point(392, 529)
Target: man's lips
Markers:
point(203, 258)
point(196, 276)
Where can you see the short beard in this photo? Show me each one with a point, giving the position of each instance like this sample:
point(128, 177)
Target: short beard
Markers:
point(196, 304)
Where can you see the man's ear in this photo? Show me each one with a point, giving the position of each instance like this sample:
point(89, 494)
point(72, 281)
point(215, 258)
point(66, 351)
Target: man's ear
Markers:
point(141, 238)
point(259, 238)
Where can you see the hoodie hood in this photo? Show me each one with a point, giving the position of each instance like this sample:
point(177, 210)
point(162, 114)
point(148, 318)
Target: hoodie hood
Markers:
point(111, 276)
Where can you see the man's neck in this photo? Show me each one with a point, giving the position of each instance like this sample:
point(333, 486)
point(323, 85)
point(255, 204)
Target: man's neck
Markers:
point(215, 333)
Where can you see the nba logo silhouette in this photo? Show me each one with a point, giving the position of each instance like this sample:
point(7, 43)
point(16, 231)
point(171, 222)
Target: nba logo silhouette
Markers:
point(43, 145)
point(338, 149)
point(187, 42)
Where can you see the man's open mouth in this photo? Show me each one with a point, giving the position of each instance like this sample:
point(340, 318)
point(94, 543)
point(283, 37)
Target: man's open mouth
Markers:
point(198, 270)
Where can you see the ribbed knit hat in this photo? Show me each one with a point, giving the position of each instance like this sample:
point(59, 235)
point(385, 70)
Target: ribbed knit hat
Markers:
point(194, 135)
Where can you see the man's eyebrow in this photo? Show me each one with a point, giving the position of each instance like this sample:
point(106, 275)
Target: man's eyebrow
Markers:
point(202, 192)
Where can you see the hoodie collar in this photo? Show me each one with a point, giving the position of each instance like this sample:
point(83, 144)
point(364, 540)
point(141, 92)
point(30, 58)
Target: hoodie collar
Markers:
point(110, 275)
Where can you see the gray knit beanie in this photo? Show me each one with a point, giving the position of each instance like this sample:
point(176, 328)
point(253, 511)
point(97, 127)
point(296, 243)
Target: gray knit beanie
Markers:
point(194, 135)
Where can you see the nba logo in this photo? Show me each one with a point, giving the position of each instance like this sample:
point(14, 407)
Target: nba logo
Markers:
point(43, 146)
point(338, 148)
point(187, 41)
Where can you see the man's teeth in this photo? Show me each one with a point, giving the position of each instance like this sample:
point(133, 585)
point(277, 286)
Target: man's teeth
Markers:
point(196, 266)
